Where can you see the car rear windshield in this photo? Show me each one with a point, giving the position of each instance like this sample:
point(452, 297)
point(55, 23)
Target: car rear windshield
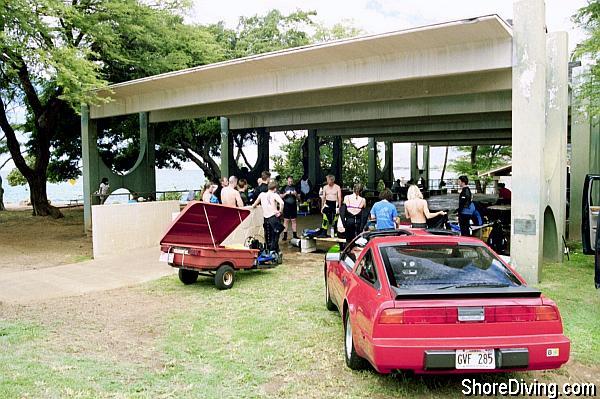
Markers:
point(445, 266)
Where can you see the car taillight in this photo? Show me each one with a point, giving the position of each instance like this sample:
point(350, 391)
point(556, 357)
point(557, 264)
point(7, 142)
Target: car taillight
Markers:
point(449, 315)
point(545, 313)
point(419, 316)
point(500, 314)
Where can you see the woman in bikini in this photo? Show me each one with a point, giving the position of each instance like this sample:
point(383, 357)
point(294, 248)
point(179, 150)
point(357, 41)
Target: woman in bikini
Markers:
point(355, 204)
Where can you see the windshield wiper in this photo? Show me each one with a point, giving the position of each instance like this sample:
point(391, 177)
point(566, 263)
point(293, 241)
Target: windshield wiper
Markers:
point(476, 284)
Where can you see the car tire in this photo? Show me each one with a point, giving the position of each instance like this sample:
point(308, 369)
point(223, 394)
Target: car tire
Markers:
point(225, 277)
point(188, 277)
point(353, 361)
point(328, 302)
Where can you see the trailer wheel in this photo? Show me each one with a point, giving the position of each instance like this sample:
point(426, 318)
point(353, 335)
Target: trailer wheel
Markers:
point(224, 277)
point(188, 276)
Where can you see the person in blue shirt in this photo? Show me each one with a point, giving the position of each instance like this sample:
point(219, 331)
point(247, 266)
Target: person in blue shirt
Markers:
point(384, 212)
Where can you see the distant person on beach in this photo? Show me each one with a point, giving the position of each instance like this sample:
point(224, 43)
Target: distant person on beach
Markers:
point(230, 196)
point(416, 209)
point(103, 190)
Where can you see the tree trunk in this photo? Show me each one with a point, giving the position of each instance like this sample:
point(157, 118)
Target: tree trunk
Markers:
point(444, 168)
point(39, 198)
point(2, 207)
point(474, 167)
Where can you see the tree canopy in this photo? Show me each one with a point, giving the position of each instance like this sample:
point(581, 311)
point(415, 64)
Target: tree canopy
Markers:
point(588, 18)
point(54, 53)
point(479, 159)
point(289, 163)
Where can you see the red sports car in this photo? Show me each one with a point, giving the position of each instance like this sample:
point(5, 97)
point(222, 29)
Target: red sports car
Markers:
point(413, 300)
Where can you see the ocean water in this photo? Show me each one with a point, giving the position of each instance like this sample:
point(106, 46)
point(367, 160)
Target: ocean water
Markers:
point(166, 180)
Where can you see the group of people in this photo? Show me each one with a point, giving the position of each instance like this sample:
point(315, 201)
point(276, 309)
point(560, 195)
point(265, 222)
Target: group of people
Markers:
point(350, 209)
point(274, 202)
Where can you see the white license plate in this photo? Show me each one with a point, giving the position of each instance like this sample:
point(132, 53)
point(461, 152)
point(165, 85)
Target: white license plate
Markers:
point(475, 359)
point(166, 257)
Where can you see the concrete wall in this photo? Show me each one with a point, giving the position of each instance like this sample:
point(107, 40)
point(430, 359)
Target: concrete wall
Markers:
point(121, 227)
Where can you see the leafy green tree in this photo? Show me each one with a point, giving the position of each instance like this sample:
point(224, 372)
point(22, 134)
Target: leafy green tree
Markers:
point(3, 150)
point(353, 166)
point(54, 52)
point(588, 18)
point(478, 159)
point(199, 140)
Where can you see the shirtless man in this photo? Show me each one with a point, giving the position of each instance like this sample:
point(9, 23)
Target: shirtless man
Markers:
point(230, 196)
point(331, 199)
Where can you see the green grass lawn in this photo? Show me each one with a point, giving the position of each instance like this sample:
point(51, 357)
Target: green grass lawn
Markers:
point(270, 336)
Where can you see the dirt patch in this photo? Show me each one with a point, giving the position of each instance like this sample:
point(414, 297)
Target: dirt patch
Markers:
point(121, 325)
point(28, 242)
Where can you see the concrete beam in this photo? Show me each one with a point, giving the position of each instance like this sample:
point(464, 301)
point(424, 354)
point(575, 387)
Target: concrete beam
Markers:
point(529, 130)
point(417, 128)
point(477, 82)
point(422, 107)
point(481, 46)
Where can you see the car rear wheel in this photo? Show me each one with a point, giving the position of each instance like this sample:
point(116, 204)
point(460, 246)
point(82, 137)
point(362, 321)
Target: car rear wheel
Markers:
point(188, 277)
point(225, 277)
point(353, 361)
point(328, 302)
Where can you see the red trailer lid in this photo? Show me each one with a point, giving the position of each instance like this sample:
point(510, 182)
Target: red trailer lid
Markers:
point(202, 224)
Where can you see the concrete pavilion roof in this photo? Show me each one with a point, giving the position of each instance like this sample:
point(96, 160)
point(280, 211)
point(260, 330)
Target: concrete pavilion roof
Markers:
point(471, 57)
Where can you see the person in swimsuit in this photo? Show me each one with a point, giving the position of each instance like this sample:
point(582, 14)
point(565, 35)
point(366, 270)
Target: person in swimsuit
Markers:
point(331, 199)
point(207, 194)
point(417, 210)
point(290, 207)
point(355, 205)
point(272, 205)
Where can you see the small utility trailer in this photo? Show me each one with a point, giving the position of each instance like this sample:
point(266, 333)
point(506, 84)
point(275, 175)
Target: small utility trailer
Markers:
point(193, 244)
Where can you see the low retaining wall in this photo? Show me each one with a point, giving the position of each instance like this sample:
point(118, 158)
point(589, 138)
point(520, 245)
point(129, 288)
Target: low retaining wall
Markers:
point(119, 228)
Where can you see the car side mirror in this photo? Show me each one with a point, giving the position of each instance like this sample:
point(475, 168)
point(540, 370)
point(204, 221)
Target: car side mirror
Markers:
point(333, 257)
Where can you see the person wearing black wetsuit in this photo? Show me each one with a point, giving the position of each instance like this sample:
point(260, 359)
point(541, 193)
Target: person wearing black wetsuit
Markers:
point(464, 204)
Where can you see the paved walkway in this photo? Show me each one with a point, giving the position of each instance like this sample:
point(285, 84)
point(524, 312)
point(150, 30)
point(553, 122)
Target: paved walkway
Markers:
point(101, 274)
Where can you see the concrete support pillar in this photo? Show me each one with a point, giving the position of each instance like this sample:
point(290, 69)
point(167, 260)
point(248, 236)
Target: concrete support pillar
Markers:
point(314, 158)
point(580, 153)
point(414, 162)
point(528, 136)
point(226, 148)
point(89, 157)
point(140, 179)
point(372, 166)
point(555, 149)
point(425, 173)
point(387, 173)
point(338, 159)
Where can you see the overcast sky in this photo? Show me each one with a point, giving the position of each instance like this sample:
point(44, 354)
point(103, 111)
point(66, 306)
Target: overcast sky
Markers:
point(377, 16)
